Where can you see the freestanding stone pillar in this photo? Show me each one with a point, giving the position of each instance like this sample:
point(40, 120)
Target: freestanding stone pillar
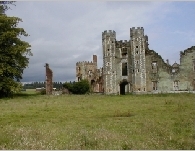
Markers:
point(48, 80)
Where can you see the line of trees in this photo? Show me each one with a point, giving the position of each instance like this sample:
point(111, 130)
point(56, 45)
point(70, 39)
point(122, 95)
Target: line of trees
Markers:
point(34, 85)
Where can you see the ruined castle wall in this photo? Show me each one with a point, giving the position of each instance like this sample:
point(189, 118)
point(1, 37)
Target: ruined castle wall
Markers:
point(88, 71)
point(122, 57)
point(141, 69)
point(165, 77)
point(157, 72)
point(186, 69)
point(85, 70)
point(165, 82)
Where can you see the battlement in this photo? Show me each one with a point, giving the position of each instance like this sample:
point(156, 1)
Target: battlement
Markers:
point(138, 28)
point(139, 31)
point(80, 63)
point(110, 33)
point(121, 43)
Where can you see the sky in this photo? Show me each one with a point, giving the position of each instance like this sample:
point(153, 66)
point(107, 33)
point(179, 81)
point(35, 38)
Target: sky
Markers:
point(65, 32)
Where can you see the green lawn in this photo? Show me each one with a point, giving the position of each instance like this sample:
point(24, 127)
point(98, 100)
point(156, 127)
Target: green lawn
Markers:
point(164, 121)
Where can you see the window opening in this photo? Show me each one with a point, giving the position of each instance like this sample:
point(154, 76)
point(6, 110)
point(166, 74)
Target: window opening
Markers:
point(124, 52)
point(176, 85)
point(124, 69)
point(154, 66)
point(90, 73)
point(154, 85)
point(79, 69)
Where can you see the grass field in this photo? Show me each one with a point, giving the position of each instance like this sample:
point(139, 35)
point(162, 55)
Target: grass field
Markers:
point(164, 121)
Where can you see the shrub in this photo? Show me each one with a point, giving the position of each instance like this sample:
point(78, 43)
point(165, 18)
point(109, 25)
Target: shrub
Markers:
point(81, 87)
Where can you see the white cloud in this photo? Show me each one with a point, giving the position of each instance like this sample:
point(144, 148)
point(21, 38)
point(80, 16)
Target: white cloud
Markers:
point(63, 33)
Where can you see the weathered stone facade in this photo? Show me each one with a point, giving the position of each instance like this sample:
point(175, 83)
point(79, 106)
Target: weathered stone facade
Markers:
point(88, 70)
point(48, 79)
point(130, 66)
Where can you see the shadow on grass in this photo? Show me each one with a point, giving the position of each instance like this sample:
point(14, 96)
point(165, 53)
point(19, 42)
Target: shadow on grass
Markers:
point(20, 95)
point(165, 95)
point(119, 113)
point(25, 94)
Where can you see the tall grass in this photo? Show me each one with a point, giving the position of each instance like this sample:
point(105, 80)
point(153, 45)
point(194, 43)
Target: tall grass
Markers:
point(98, 122)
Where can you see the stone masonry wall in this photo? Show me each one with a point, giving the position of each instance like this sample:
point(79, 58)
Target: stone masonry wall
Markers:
point(88, 70)
point(48, 81)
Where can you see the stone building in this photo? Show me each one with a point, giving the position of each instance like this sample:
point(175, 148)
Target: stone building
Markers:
point(130, 66)
point(88, 70)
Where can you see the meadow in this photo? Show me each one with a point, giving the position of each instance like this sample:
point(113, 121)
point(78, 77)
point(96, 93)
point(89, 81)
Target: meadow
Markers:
point(160, 121)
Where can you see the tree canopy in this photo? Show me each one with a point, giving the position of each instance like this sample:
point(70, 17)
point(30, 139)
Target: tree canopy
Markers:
point(81, 87)
point(13, 52)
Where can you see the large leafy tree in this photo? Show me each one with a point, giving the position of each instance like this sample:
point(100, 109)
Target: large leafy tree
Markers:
point(13, 52)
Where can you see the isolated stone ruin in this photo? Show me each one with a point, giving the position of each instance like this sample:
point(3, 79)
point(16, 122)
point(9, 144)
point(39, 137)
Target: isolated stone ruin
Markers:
point(48, 80)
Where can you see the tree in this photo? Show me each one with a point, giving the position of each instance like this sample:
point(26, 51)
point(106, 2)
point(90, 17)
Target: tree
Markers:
point(68, 86)
point(13, 52)
point(81, 87)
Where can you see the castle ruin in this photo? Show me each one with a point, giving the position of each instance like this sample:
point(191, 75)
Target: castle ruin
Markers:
point(130, 66)
point(88, 70)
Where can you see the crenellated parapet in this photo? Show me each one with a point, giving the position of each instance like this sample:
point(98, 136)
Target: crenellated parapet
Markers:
point(109, 33)
point(84, 63)
point(136, 32)
point(122, 43)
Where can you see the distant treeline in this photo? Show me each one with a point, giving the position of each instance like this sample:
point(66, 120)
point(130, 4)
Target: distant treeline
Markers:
point(34, 85)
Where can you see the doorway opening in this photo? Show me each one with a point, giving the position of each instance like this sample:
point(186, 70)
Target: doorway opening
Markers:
point(122, 87)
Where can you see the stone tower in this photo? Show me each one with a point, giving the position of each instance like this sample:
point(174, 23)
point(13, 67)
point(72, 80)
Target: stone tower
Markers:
point(109, 62)
point(138, 44)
